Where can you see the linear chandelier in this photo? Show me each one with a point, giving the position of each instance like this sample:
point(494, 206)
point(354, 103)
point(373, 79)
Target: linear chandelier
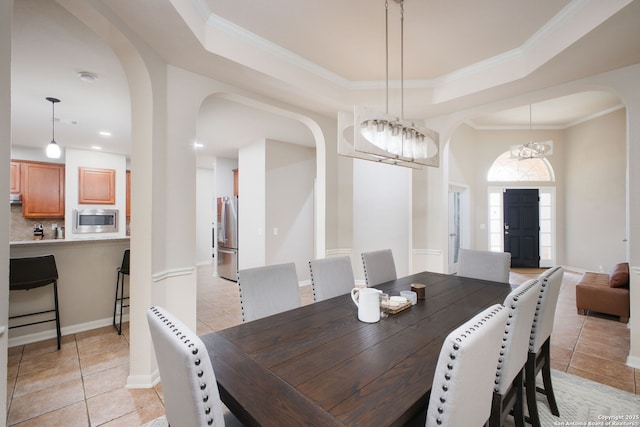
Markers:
point(531, 150)
point(382, 137)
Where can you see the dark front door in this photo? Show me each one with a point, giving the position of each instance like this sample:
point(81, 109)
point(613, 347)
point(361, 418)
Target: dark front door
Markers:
point(522, 227)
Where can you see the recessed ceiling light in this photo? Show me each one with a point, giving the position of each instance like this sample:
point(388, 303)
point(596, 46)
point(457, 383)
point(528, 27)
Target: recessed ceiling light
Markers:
point(198, 145)
point(87, 76)
point(96, 147)
point(104, 133)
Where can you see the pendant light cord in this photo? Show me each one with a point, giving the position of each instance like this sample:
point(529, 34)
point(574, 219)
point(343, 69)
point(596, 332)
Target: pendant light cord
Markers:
point(386, 42)
point(402, 59)
point(53, 121)
point(386, 49)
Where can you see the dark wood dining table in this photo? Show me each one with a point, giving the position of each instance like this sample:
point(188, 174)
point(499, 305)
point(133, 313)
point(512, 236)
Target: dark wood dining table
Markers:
point(318, 365)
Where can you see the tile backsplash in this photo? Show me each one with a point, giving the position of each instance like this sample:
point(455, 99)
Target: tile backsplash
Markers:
point(22, 228)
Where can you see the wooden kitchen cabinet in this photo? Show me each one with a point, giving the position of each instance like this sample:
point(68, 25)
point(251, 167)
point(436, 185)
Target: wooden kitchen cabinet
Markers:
point(97, 186)
point(128, 194)
point(15, 177)
point(235, 182)
point(42, 190)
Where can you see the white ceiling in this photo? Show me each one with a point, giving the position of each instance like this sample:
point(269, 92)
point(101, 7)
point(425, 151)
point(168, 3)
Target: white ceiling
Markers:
point(322, 55)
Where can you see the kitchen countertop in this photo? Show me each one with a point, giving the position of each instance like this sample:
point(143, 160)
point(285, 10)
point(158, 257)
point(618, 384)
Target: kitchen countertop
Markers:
point(92, 239)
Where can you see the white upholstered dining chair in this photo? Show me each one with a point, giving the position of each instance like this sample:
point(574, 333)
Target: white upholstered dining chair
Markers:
point(189, 388)
point(539, 357)
point(268, 290)
point(484, 265)
point(508, 391)
point(331, 277)
point(464, 377)
point(379, 267)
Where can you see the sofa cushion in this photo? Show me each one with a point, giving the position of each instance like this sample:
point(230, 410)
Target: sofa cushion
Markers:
point(619, 275)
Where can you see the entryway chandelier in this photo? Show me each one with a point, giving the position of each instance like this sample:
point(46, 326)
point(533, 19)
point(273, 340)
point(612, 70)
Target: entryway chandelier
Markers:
point(531, 150)
point(385, 138)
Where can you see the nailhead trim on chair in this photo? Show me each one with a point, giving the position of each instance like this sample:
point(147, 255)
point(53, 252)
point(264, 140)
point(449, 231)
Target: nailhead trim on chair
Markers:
point(453, 355)
point(364, 267)
point(508, 330)
point(196, 361)
point(313, 287)
point(535, 316)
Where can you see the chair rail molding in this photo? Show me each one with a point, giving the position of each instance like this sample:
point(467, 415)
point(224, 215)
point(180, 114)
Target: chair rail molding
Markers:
point(338, 252)
point(174, 272)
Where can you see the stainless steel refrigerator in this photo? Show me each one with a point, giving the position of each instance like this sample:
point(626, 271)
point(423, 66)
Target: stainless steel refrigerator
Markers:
point(228, 237)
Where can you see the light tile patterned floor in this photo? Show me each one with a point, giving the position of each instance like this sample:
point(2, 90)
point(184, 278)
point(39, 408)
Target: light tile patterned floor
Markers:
point(83, 383)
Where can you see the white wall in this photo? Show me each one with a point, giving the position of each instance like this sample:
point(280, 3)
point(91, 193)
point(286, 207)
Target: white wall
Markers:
point(205, 214)
point(224, 176)
point(276, 207)
point(75, 159)
point(595, 188)
point(290, 174)
point(251, 206)
point(381, 213)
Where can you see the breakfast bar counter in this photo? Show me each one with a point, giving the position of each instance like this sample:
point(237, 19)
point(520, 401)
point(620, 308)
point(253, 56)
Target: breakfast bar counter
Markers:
point(87, 270)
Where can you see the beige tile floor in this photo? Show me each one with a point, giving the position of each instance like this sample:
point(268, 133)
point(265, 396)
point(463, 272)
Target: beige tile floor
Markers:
point(83, 383)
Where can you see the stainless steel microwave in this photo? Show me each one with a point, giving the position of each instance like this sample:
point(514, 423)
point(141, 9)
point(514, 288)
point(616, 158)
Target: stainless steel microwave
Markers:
point(95, 220)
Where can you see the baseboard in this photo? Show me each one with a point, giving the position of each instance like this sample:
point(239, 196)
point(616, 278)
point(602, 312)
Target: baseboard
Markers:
point(633, 361)
point(66, 330)
point(143, 381)
point(304, 283)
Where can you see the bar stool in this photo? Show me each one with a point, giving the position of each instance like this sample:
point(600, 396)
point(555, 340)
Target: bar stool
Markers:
point(122, 271)
point(31, 273)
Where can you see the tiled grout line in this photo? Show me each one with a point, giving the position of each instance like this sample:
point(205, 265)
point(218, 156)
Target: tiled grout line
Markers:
point(84, 389)
point(575, 346)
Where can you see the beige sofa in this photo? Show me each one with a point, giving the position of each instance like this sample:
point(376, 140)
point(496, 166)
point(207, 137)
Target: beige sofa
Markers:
point(605, 293)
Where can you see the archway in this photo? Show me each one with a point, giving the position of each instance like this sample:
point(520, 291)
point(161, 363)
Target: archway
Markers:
point(316, 138)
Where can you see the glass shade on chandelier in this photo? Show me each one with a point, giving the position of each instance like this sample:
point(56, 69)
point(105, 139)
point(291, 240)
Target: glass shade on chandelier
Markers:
point(394, 138)
point(532, 150)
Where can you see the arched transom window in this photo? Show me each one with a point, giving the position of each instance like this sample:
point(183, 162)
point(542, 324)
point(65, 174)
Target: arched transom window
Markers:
point(507, 168)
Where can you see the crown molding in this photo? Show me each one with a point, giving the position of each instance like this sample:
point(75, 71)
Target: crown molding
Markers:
point(575, 20)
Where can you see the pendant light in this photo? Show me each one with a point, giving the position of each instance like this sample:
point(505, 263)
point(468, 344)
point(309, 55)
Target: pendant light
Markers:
point(53, 149)
point(382, 137)
point(531, 150)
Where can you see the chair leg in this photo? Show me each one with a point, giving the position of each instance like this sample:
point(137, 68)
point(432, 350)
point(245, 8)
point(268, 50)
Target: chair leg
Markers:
point(496, 410)
point(518, 409)
point(546, 377)
point(530, 387)
point(115, 301)
point(121, 302)
point(57, 311)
